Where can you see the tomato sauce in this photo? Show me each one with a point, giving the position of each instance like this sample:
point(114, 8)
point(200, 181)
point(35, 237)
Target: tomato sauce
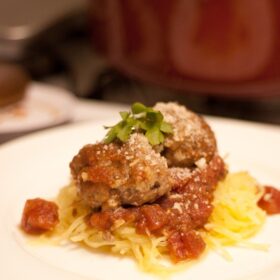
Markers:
point(270, 201)
point(185, 245)
point(176, 216)
point(39, 216)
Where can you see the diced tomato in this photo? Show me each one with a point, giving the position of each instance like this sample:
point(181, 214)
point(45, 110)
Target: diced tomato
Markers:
point(39, 216)
point(151, 218)
point(105, 220)
point(101, 220)
point(185, 245)
point(270, 201)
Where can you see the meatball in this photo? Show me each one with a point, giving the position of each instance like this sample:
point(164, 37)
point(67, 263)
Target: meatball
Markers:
point(110, 175)
point(192, 139)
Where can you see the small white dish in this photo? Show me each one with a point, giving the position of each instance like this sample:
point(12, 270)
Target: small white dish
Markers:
point(43, 106)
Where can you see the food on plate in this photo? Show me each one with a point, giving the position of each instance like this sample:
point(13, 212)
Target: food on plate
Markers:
point(236, 215)
point(270, 201)
point(130, 194)
point(109, 176)
point(39, 215)
point(192, 138)
point(13, 83)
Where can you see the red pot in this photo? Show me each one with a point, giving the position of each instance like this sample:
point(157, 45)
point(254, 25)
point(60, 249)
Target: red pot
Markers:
point(227, 47)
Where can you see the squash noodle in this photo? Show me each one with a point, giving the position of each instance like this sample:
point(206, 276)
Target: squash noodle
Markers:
point(236, 215)
point(235, 218)
point(150, 252)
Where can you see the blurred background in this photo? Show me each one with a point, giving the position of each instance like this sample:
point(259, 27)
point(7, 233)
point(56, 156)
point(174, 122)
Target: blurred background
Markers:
point(218, 57)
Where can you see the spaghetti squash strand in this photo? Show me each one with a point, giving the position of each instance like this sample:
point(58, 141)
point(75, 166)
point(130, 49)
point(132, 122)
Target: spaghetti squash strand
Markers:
point(236, 215)
point(235, 218)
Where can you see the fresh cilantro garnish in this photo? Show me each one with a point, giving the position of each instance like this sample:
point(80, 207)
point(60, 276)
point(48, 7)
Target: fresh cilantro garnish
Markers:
point(141, 119)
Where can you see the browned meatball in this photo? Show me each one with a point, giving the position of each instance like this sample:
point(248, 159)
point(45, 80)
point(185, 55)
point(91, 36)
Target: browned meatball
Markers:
point(192, 139)
point(109, 175)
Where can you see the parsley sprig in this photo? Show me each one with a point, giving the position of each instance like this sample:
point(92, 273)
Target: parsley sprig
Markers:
point(141, 119)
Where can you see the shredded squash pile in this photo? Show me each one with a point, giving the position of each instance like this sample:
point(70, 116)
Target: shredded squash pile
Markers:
point(148, 251)
point(235, 218)
point(236, 215)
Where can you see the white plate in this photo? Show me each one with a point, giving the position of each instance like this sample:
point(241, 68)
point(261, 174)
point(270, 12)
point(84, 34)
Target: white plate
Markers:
point(37, 166)
point(43, 106)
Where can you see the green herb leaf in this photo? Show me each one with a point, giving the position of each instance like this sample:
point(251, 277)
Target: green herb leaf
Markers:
point(111, 135)
point(154, 136)
point(154, 117)
point(124, 133)
point(166, 127)
point(141, 119)
point(124, 115)
point(138, 108)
